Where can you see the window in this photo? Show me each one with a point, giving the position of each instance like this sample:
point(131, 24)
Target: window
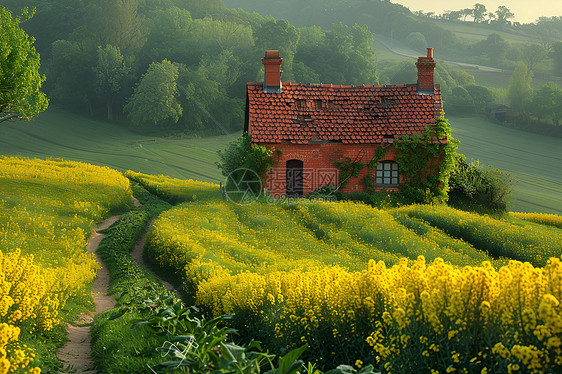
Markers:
point(387, 173)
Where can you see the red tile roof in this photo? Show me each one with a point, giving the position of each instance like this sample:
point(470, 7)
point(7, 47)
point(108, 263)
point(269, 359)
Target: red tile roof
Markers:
point(347, 114)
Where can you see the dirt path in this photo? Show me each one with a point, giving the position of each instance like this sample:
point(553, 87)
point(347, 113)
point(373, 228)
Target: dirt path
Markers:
point(137, 255)
point(76, 353)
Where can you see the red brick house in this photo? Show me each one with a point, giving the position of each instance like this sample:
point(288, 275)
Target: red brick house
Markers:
point(311, 125)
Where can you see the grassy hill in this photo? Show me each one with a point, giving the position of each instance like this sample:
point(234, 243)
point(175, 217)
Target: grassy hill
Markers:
point(532, 160)
point(57, 133)
point(479, 31)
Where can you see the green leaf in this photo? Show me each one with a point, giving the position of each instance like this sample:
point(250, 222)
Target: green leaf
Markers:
point(288, 364)
point(342, 369)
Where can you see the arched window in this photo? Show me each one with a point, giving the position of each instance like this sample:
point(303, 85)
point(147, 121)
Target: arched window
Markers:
point(388, 173)
point(294, 178)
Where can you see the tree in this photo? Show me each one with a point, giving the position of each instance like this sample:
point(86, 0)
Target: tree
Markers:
point(532, 55)
point(461, 77)
point(20, 81)
point(459, 101)
point(547, 30)
point(504, 14)
point(205, 101)
point(203, 8)
point(556, 55)
point(484, 190)
point(519, 91)
point(71, 74)
point(112, 73)
point(240, 156)
point(417, 41)
point(481, 96)
point(118, 23)
point(495, 47)
point(453, 15)
point(547, 102)
point(479, 12)
point(155, 99)
point(346, 57)
point(405, 72)
point(280, 35)
point(465, 13)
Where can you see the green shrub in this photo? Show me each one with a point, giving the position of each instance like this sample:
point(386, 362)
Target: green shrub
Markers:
point(241, 153)
point(477, 189)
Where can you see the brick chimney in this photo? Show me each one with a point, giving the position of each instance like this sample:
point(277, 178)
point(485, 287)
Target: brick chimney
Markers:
point(425, 66)
point(272, 67)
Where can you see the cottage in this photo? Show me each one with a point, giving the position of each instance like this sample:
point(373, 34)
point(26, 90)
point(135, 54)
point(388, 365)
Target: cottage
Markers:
point(313, 126)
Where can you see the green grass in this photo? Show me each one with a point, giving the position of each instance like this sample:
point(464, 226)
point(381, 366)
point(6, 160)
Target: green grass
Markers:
point(57, 133)
point(176, 190)
point(475, 32)
point(532, 160)
point(117, 346)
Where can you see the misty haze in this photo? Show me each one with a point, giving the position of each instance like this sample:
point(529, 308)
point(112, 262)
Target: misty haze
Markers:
point(313, 186)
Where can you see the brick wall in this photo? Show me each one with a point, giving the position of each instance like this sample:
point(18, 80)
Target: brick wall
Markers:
point(318, 165)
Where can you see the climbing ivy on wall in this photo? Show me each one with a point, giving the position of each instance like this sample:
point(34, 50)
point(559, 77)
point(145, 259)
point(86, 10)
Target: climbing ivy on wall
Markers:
point(380, 152)
point(352, 168)
point(348, 169)
point(426, 162)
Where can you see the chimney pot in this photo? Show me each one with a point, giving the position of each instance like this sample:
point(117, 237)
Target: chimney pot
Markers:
point(430, 52)
point(272, 69)
point(272, 54)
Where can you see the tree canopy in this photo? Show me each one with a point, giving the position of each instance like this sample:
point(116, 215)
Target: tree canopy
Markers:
point(155, 100)
point(519, 92)
point(20, 81)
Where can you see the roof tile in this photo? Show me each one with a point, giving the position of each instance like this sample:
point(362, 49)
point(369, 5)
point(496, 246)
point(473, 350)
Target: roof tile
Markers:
point(351, 114)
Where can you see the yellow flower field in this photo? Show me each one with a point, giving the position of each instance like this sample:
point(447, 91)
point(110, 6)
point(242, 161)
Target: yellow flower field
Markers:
point(47, 210)
point(542, 218)
point(352, 282)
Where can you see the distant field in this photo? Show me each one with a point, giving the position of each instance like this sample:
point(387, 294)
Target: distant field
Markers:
point(390, 53)
point(533, 160)
point(476, 32)
point(57, 133)
point(501, 80)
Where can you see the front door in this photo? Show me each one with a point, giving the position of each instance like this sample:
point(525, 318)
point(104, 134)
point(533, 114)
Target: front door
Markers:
point(294, 177)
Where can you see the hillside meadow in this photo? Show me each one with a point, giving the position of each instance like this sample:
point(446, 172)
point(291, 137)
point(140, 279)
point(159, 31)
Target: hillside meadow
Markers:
point(59, 133)
point(532, 160)
point(47, 210)
point(403, 288)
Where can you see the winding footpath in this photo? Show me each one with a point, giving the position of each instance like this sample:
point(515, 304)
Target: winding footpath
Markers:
point(137, 255)
point(76, 353)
